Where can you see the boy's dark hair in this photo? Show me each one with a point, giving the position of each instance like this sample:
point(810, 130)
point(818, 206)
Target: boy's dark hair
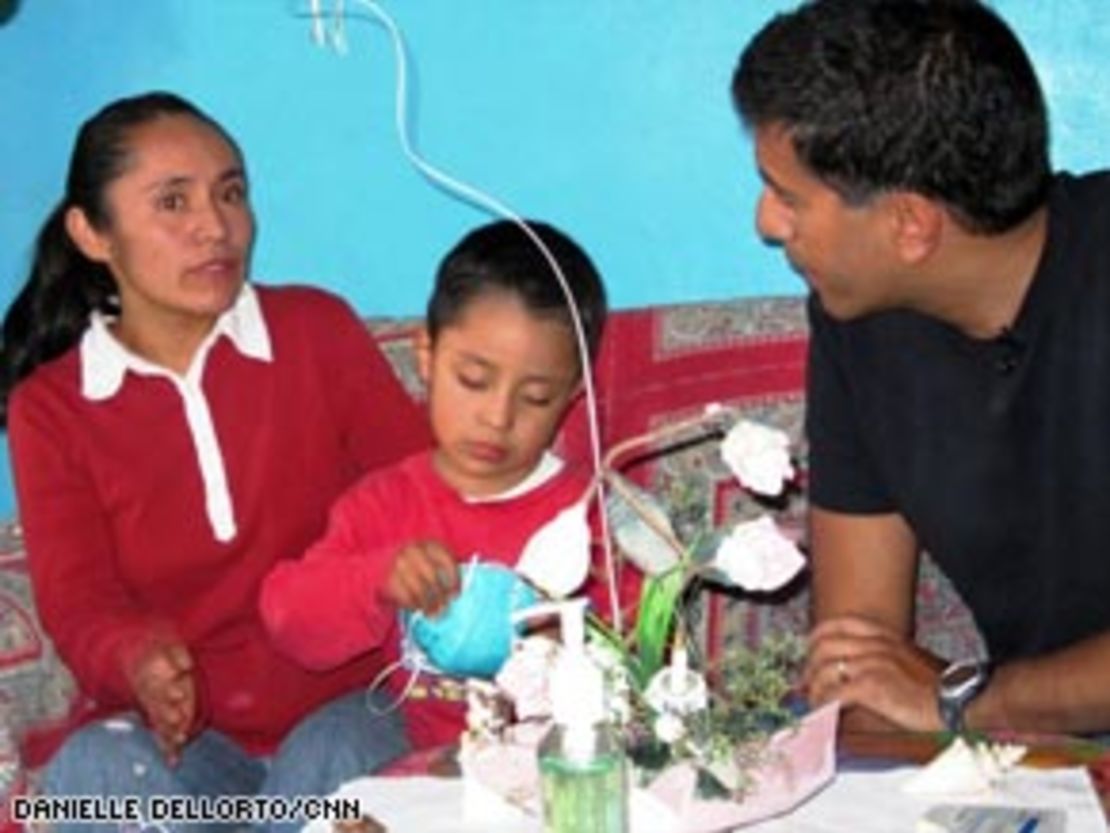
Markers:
point(936, 97)
point(63, 287)
point(500, 257)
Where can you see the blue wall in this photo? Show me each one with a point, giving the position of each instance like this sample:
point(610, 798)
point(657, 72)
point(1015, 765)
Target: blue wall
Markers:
point(608, 117)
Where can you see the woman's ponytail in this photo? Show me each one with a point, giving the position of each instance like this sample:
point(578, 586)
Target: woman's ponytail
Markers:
point(52, 309)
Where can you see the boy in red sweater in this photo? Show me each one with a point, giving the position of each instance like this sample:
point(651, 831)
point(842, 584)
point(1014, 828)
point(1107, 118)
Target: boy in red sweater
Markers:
point(500, 359)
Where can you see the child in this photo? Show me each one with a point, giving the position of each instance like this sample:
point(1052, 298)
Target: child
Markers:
point(500, 361)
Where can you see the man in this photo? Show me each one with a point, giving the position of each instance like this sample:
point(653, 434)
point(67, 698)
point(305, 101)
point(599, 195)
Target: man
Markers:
point(959, 377)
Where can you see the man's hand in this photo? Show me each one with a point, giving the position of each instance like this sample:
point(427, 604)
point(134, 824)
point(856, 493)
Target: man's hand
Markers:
point(163, 681)
point(425, 577)
point(872, 667)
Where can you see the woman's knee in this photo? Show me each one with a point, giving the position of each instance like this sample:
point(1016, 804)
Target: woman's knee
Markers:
point(350, 734)
point(108, 757)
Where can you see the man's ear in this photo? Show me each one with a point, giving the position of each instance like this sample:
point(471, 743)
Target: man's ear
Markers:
point(424, 354)
point(91, 243)
point(918, 225)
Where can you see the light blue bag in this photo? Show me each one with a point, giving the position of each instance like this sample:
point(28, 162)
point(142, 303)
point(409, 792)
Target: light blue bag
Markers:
point(474, 635)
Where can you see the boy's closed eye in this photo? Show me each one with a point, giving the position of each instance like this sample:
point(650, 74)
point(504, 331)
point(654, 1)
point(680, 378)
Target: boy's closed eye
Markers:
point(537, 398)
point(535, 394)
point(472, 381)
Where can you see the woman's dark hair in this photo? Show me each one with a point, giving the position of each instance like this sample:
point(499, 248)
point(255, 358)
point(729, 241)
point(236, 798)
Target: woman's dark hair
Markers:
point(64, 287)
point(937, 97)
point(500, 257)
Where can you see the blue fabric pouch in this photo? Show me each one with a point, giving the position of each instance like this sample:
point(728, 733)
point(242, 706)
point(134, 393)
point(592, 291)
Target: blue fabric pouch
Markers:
point(473, 636)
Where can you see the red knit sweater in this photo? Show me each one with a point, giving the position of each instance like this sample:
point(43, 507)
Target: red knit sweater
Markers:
point(325, 611)
point(112, 504)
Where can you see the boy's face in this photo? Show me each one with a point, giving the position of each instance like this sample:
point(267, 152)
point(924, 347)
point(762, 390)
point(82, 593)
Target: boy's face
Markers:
point(499, 380)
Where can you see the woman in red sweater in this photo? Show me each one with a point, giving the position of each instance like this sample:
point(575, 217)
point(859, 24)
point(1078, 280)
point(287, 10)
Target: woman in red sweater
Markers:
point(175, 432)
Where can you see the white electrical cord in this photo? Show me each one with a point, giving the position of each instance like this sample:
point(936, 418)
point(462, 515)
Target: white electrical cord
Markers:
point(489, 203)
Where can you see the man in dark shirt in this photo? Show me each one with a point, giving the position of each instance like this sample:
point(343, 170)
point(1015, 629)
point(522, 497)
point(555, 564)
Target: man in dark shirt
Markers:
point(959, 377)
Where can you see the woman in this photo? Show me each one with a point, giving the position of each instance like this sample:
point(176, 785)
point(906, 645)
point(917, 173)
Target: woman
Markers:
point(174, 432)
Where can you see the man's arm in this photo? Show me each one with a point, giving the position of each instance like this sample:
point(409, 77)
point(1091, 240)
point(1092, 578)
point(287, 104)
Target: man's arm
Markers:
point(1065, 691)
point(862, 649)
point(863, 565)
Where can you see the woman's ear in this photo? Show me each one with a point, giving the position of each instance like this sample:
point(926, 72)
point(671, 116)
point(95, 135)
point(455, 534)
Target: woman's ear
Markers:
point(918, 224)
point(424, 354)
point(91, 243)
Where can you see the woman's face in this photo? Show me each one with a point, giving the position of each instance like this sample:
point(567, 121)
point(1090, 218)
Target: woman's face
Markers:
point(179, 228)
point(499, 380)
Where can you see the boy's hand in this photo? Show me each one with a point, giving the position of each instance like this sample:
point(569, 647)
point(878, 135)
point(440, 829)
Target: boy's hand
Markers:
point(425, 577)
point(164, 684)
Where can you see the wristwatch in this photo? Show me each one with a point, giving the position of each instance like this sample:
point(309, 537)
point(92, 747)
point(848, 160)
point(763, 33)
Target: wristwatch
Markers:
point(959, 684)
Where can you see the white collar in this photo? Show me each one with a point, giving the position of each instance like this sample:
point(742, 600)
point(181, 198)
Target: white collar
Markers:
point(549, 465)
point(105, 361)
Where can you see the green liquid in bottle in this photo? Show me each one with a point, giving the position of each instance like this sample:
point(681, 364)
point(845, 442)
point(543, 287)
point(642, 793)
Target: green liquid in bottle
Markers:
point(587, 796)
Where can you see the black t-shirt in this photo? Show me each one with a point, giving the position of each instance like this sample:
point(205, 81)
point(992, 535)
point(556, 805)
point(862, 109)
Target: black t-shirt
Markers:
point(997, 452)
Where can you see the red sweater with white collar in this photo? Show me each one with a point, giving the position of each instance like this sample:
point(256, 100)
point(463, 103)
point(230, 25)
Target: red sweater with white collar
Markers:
point(113, 506)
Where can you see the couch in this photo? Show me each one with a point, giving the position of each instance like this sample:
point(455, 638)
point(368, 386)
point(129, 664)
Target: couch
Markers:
point(657, 364)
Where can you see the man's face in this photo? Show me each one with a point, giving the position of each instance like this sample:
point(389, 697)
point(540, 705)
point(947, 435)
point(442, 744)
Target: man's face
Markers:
point(843, 252)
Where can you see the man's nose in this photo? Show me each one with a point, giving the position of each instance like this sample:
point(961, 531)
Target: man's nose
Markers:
point(773, 220)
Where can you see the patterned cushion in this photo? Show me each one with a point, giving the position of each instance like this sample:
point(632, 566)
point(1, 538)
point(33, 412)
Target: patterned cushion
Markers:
point(657, 365)
point(37, 693)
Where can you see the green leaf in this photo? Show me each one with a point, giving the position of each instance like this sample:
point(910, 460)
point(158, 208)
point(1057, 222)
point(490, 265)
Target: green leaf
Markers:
point(659, 600)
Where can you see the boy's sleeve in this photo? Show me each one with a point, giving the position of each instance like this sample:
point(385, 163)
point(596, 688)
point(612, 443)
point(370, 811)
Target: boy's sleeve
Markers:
point(323, 609)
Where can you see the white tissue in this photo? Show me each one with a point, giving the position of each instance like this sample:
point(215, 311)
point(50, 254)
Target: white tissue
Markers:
point(965, 769)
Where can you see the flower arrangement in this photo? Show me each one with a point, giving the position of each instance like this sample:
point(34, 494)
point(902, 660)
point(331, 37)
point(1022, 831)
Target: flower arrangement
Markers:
point(717, 717)
point(714, 722)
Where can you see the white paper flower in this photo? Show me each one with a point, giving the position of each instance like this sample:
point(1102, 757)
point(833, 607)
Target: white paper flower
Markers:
point(556, 558)
point(963, 768)
point(759, 456)
point(526, 676)
point(757, 556)
point(668, 727)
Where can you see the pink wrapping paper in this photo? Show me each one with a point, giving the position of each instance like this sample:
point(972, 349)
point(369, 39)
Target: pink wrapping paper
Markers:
point(798, 763)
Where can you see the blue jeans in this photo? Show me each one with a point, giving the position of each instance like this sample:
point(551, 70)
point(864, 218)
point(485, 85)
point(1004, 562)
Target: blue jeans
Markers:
point(342, 740)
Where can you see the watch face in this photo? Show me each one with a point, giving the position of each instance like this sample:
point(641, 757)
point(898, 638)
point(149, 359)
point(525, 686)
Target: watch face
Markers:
point(959, 685)
point(957, 676)
point(962, 681)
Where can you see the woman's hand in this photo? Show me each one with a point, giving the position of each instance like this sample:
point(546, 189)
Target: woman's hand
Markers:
point(425, 577)
point(164, 683)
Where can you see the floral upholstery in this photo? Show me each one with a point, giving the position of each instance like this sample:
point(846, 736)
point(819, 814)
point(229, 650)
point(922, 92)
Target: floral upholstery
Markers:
point(657, 364)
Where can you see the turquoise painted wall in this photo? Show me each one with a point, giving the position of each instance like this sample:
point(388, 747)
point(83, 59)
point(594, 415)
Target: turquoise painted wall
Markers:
point(608, 117)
